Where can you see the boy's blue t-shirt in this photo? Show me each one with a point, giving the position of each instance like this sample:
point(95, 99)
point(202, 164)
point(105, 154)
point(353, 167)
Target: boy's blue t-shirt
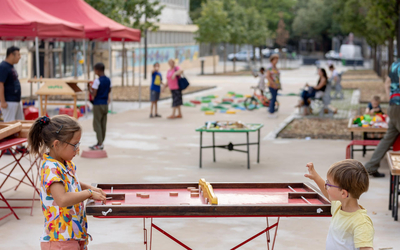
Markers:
point(379, 106)
point(103, 86)
point(156, 80)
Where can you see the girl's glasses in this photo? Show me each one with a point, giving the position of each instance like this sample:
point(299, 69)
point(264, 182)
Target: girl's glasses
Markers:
point(76, 146)
point(327, 185)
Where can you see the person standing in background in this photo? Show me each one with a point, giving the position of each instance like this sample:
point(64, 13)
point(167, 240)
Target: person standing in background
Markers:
point(392, 88)
point(10, 87)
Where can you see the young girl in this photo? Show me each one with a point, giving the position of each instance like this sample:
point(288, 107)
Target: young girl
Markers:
point(61, 193)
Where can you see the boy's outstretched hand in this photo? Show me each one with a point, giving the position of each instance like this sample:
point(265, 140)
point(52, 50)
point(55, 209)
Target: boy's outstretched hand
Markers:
point(312, 174)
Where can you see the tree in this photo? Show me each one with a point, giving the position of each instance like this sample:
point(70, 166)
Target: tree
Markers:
point(195, 9)
point(257, 32)
point(213, 24)
point(110, 8)
point(375, 20)
point(144, 14)
point(314, 20)
point(237, 25)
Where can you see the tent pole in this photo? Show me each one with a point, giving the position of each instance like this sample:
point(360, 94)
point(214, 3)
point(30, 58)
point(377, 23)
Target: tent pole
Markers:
point(37, 69)
point(110, 66)
point(85, 68)
point(140, 78)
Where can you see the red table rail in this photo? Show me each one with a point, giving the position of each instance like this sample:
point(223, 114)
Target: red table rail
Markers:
point(28, 177)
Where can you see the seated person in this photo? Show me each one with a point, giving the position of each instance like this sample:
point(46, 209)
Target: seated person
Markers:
point(317, 91)
point(374, 106)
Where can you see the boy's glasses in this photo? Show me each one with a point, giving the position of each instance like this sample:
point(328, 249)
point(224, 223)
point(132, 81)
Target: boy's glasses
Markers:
point(327, 185)
point(76, 146)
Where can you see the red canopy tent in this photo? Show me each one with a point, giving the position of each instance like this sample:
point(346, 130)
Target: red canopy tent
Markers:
point(19, 20)
point(97, 26)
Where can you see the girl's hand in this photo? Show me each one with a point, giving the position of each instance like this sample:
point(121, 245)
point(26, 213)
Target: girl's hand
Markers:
point(97, 196)
point(312, 174)
point(99, 190)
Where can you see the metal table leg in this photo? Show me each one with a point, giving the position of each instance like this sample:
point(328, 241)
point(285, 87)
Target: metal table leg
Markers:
point(391, 187)
point(396, 197)
point(364, 147)
point(213, 135)
point(258, 150)
point(201, 145)
point(248, 151)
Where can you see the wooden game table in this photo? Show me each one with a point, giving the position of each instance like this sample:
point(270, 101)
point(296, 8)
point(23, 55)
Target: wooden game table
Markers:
point(214, 200)
point(364, 131)
point(393, 159)
point(252, 127)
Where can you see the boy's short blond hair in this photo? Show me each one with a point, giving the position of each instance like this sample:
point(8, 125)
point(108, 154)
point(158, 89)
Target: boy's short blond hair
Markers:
point(351, 176)
point(376, 98)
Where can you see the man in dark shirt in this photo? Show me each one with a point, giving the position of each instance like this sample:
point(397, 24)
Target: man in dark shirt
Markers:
point(10, 88)
point(392, 87)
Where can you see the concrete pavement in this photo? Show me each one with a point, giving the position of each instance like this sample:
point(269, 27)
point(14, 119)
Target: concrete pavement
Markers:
point(141, 149)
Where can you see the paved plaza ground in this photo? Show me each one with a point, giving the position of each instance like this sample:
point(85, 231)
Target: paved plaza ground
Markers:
point(141, 149)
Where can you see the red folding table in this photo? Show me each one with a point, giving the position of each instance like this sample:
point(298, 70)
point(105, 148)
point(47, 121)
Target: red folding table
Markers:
point(28, 177)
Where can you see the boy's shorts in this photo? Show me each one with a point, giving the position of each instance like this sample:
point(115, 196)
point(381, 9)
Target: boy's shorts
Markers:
point(154, 96)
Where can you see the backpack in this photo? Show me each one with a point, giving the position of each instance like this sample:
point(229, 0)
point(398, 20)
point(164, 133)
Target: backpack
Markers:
point(183, 83)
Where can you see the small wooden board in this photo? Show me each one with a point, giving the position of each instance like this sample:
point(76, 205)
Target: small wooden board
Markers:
point(393, 159)
point(10, 129)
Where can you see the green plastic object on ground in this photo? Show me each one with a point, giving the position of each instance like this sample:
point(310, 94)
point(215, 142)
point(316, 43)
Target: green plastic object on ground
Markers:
point(207, 109)
point(226, 103)
point(231, 93)
point(211, 97)
point(189, 104)
point(238, 96)
point(206, 101)
point(220, 107)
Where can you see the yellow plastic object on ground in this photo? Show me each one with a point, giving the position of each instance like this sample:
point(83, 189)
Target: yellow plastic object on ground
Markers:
point(248, 96)
point(232, 112)
point(209, 112)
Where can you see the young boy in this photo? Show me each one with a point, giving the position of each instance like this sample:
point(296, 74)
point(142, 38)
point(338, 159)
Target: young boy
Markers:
point(155, 89)
point(261, 80)
point(374, 106)
point(100, 91)
point(351, 227)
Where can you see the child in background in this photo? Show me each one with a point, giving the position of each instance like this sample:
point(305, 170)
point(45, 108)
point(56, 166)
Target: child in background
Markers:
point(62, 195)
point(351, 227)
point(261, 80)
point(100, 90)
point(155, 89)
point(374, 106)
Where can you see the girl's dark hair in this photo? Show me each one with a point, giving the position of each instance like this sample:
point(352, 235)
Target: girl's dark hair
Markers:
point(324, 74)
point(156, 63)
point(262, 69)
point(45, 131)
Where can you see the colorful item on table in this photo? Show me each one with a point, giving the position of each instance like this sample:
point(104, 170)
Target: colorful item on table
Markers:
point(368, 121)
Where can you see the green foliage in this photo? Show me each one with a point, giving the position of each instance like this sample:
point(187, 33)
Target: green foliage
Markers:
point(110, 8)
point(213, 23)
point(195, 9)
point(143, 13)
point(238, 24)
point(373, 19)
point(257, 32)
point(139, 14)
point(315, 19)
